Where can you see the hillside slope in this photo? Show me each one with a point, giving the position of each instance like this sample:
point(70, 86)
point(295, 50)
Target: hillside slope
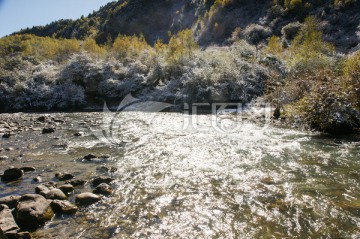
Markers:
point(213, 22)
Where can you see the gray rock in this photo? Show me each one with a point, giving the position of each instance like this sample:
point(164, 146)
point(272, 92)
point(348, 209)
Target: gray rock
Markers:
point(55, 194)
point(10, 201)
point(67, 188)
point(63, 207)
point(99, 180)
point(86, 199)
point(103, 189)
point(7, 221)
point(33, 211)
point(12, 174)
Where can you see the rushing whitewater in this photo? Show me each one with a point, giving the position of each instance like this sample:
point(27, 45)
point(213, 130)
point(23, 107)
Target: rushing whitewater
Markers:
point(175, 181)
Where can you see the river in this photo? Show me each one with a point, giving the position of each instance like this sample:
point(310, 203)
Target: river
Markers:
point(256, 181)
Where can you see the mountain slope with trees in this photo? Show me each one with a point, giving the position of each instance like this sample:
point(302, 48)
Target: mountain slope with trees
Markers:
point(213, 21)
point(301, 56)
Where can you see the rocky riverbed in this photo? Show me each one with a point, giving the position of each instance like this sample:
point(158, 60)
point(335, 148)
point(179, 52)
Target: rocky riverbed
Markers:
point(33, 192)
point(69, 175)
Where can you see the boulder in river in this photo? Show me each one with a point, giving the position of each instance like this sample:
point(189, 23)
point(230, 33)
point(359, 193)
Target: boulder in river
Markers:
point(108, 169)
point(44, 188)
point(86, 199)
point(64, 176)
point(7, 221)
point(10, 201)
point(6, 135)
point(99, 180)
point(48, 130)
point(67, 188)
point(42, 119)
point(103, 189)
point(79, 134)
point(12, 174)
point(28, 169)
point(89, 157)
point(55, 194)
point(63, 207)
point(76, 182)
point(33, 211)
point(37, 179)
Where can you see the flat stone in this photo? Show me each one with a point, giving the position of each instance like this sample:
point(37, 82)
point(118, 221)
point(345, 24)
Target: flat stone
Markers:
point(63, 207)
point(86, 199)
point(33, 211)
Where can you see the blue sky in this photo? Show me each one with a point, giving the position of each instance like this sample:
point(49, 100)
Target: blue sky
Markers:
point(17, 14)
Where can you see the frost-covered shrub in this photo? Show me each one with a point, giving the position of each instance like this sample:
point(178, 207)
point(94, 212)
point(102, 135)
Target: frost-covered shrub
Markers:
point(220, 76)
point(256, 33)
point(290, 30)
point(243, 49)
point(77, 67)
point(68, 95)
point(329, 110)
point(110, 88)
point(38, 87)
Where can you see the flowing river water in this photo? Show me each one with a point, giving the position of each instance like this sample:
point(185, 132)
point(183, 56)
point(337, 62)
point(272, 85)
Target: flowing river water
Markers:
point(255, 182)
